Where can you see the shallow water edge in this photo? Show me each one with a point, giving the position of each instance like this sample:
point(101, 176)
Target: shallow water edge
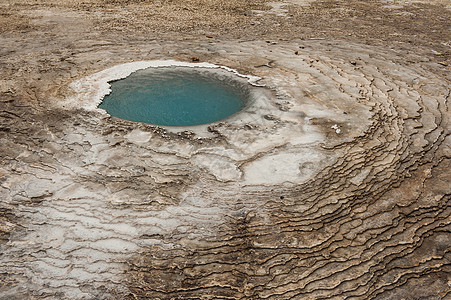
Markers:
point(90, 91)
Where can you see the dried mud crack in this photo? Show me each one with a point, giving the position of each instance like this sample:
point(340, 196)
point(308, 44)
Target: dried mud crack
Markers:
point(334, 185)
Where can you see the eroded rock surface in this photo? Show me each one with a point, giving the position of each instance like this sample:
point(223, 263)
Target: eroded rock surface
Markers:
point(335, 184)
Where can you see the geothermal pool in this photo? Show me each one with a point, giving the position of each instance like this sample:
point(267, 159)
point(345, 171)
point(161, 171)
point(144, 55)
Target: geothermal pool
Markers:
point(177, 96)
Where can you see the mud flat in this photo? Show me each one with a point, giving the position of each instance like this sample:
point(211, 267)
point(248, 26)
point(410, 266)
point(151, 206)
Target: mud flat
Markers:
point(334, 184)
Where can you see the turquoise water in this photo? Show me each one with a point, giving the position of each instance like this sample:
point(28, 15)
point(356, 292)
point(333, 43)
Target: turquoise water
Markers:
point(175, 96)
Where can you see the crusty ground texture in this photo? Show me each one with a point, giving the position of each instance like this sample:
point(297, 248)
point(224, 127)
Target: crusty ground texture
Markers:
point(335, 184)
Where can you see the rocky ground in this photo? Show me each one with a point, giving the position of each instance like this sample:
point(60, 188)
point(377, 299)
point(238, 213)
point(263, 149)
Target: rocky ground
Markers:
point(335, 184)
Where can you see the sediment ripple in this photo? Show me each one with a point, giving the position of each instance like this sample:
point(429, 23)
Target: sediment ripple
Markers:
point(336, 186)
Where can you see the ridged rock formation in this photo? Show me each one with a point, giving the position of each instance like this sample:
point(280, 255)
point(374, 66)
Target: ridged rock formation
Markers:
point(335, 185)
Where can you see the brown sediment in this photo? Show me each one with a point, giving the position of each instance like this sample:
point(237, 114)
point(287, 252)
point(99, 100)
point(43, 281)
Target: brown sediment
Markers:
point(334, 186)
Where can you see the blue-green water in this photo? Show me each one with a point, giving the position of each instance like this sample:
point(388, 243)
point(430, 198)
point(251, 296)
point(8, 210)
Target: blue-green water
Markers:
point(175, 96)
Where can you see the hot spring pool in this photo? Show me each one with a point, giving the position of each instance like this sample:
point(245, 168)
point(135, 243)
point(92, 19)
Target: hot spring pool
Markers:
point(177, 96)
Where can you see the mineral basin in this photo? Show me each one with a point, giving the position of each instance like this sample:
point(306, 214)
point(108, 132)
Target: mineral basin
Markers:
point(177, 96)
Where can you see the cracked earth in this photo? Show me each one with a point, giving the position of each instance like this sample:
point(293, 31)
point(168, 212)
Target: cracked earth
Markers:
point(333, 184)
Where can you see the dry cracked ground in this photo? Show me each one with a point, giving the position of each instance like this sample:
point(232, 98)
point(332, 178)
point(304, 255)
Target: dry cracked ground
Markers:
point(335, 184)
